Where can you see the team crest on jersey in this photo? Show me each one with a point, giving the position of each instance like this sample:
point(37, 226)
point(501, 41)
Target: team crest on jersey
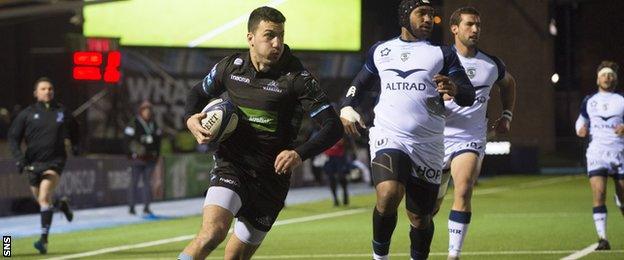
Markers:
point(605, 107)
point(471, 72)
point(238, 61)
point(59, 117)
point(593, 104)
point(273, 87)
point(385, 52)
point(405, 56)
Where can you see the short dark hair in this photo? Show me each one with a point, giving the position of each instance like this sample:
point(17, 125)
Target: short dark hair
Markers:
point(42, 79)
point(264, 13)
point(456, 16)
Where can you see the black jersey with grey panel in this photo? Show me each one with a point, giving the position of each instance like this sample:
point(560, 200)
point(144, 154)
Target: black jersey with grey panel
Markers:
point(272, 105)
point(44, 127)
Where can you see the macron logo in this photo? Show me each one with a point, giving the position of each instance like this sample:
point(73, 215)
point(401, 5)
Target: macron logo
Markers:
point(240, 79)
point(405, 74)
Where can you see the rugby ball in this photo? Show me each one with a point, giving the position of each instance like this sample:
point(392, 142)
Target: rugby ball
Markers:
point(221, 119)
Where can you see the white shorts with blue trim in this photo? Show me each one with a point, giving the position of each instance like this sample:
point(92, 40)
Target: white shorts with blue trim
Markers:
point(605, 161)
point(453, 148)
point(425, 156)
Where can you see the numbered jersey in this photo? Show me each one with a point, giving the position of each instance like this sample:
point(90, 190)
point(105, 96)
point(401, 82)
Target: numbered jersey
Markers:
point(470, 123)
point(409, 105)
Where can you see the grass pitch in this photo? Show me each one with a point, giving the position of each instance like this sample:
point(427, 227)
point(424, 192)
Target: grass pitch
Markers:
point(514, 217)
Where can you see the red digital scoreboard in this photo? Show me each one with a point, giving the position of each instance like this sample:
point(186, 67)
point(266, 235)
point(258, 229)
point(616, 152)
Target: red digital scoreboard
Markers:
point(98, 61)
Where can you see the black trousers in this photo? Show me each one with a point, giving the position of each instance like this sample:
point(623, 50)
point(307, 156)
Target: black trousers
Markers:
point(141, 170)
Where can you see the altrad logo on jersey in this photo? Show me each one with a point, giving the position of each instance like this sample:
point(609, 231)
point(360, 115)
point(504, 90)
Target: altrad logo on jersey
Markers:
point(405, 86)
point(606, 118)
point(405, 74)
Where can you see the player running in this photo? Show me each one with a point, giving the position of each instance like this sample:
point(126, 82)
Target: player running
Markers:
point(465, 131)
point(44, 126)
point(407, 141)
point(273, 90)
point(602, 119)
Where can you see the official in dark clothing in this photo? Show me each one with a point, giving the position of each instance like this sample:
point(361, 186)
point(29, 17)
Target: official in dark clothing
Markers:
point(143, 142)
point(272, 91)
point(44, 126)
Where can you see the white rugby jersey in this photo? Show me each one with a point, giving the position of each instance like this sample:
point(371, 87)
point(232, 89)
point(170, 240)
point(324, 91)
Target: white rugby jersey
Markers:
point(469, 123)
point(409, 105)
point(603, 112)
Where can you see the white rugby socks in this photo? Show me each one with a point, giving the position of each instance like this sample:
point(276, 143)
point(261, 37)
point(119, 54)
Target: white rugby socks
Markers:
point(457, 228)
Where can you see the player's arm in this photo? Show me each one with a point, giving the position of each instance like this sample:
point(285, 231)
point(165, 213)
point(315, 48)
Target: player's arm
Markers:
point(507, 86)
point(73, 129)
point(209, 88)
point(454, 82)
point(362, 83)
point(16, 133)
point(314, 101)
point(582, 122)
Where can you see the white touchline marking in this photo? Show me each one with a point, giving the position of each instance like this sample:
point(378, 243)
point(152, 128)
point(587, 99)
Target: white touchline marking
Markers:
point(304, 219)
point(189, 237)
point(581, 253)
point(229, 25)
point(532, 184)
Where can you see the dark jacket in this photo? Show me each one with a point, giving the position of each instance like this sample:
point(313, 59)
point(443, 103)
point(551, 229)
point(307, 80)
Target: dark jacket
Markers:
point(44, 128)
point(142, 139)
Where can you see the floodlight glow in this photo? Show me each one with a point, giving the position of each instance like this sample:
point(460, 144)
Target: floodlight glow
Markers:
point(555, 78)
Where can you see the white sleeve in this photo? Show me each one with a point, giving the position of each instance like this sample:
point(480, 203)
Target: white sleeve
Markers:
point(580, 122)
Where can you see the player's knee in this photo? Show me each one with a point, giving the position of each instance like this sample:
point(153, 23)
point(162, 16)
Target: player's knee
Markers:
point(388, 201)
point(211, 236)
point(43, 200)
point(419, 221)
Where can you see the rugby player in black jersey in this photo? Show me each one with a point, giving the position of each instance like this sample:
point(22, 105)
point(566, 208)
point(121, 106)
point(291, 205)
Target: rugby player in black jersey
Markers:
point(272, 91)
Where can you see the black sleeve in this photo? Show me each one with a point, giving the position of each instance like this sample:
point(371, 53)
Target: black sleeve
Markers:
point(330, 132)
point(16, 133)
point(360, 84)
point(453, 69)
point(314, 100)
point(209, 88)
point(362, 81)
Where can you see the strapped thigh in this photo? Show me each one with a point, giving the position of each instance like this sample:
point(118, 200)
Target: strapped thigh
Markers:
point(246, 233)
point(223, 197)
